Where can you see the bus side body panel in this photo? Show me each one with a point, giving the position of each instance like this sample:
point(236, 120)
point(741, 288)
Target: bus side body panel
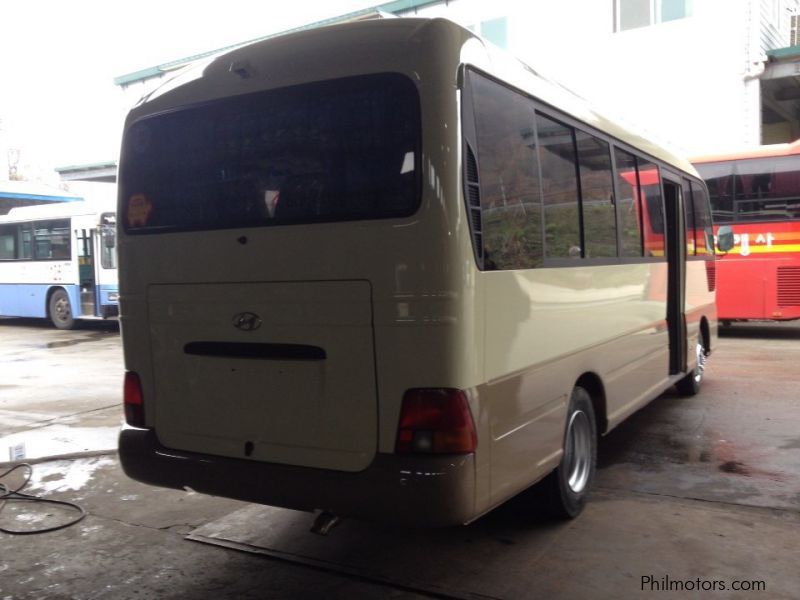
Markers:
point(32, 281)
point(760, 277)
point(546, 329)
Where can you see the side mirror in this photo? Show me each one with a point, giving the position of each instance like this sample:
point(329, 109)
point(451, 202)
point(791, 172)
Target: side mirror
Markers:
point(725, 238)
point(109, 238)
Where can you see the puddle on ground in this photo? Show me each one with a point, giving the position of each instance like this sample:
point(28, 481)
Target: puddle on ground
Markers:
point(707, 448)
point(62, 475)
point(736, 467)
point(92, 337)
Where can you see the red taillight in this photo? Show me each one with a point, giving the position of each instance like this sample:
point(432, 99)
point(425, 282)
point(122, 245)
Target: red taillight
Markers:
point(134, 400)
point(435, 421)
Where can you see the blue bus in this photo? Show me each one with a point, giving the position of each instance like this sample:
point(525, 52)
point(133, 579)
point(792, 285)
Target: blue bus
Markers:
point(59, 261)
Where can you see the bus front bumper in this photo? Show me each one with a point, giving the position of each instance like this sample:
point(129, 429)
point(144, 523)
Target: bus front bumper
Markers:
point(421, 491)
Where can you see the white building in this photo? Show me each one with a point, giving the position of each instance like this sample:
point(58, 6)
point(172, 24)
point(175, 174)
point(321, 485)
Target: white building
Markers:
point(703, 75)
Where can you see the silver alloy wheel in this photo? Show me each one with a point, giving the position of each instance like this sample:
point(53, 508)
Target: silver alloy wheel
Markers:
point(62, 309)
point(578, 451)
point(701, 363)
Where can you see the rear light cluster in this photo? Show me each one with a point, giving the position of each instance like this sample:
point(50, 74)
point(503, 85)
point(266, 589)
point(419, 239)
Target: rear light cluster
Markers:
point(133, 400)
point(435, 421)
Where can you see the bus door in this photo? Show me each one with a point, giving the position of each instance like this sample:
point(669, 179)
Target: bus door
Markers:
point(87, 276)
point(676, 278)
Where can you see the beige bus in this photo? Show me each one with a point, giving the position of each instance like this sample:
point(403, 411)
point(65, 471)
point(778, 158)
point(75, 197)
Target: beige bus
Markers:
point(383, 270)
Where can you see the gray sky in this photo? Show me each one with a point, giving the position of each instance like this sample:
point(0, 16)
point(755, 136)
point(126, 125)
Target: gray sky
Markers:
point(58, 58)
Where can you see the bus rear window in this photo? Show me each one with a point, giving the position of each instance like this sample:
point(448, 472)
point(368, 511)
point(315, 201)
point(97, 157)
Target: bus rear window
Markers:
point(346, 149)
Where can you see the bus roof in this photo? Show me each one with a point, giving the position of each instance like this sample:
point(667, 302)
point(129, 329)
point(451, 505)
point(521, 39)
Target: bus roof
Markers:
point(55, 211)
point(766, 151)
point(366, 46)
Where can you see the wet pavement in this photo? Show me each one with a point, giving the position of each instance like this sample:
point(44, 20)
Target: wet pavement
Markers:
point(60, 391)
point(737, 442)
point(702, 491)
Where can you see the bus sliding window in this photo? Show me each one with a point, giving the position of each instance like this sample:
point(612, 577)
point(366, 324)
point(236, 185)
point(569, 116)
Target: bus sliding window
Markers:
point(345, 149)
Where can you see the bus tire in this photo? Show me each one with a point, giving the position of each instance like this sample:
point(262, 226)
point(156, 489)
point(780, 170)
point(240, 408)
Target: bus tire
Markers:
point(690, 385)
point(569, 485)
point(60, 310)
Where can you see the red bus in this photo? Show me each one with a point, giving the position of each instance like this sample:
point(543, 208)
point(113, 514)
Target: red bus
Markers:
point(757, 193)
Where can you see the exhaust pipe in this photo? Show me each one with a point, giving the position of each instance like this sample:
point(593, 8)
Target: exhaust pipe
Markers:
point(324, 522)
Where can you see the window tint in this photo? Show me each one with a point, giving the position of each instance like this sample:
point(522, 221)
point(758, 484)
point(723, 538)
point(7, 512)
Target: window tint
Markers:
point(704, 240)
point(508, 174)
point(597, 196)
point(26, 233)
point(108, 241)
point(560, 188)
point(336, 150)
point(8, 242)
point(44, 240)
point(688, 217)
point(761, 189)
point(652, 208)
point(52, 240)
point(627, 186)
point(536, 188)
point(719, 179)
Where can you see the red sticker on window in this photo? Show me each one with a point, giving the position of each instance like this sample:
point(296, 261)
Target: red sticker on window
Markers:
point(139, 209)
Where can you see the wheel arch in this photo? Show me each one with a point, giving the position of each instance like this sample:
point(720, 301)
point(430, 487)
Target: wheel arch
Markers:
point(705, 331)
point(50, 291)
point(592, 383)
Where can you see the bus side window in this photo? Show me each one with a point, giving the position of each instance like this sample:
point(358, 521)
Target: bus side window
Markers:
point(26, 232)
point(8, 242)
point(509, 180)
point(652, 208)
point(558, 159)
point(627, 187)
point(597, 196)
point(52, 240)
point(688, 214)
point(702, 221)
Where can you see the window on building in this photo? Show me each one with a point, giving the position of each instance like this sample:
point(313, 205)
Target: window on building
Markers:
point(671, 10)
point(631, 14)
point(496, 31)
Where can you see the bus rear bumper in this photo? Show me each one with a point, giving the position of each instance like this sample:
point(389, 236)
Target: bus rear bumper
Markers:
point(433, 491)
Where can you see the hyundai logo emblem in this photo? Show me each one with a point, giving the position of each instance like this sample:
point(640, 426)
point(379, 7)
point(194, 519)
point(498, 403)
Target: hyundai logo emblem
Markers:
point(247, 321)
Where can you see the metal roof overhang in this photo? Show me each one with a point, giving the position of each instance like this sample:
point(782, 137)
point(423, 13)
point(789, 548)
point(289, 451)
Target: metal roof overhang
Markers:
point(104, 172)
point(780, 89)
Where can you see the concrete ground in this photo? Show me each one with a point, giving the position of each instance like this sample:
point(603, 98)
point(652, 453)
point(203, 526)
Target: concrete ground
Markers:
point(693, 495)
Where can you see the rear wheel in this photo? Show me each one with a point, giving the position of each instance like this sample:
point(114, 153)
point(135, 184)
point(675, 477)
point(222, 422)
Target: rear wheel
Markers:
point(60, 310)
point(570, 483)
point(690, 385)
